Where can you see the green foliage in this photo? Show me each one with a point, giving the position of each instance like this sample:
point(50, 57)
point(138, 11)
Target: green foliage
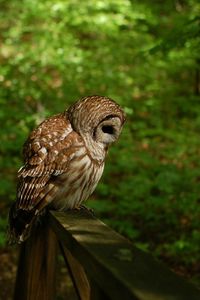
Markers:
point(3, 226)
point(145, 55)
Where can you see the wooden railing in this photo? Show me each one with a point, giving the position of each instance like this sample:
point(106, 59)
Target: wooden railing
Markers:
point(102, 264)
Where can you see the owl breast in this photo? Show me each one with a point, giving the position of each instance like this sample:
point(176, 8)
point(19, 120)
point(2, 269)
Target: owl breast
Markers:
point(78, 183)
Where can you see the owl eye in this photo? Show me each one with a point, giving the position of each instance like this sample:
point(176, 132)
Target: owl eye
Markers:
point(108, 129)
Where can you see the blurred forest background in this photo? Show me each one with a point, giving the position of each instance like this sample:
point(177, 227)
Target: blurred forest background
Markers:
point(144, 54)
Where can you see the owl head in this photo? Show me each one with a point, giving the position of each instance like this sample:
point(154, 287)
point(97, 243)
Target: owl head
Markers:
point(97, 118)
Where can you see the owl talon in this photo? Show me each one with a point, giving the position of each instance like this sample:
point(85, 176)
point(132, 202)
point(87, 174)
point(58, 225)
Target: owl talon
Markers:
point(90, 210)
point(85, 208)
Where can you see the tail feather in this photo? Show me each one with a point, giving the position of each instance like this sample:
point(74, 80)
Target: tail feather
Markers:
point(21, 223)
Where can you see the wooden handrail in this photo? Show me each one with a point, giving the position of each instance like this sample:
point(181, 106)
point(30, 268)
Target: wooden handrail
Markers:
point(102, 264)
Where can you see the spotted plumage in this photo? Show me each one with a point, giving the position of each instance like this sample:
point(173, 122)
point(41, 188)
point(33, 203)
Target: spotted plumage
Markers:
point(63, 161)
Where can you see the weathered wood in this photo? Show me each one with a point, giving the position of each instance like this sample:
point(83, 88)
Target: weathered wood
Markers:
point(77, 274)
point(117, 267)
point(37, 266)
point(86, 288)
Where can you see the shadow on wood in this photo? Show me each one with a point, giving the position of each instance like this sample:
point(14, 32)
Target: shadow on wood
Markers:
point(77, 274)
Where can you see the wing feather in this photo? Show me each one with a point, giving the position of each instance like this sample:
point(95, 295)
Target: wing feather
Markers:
point(47, 153)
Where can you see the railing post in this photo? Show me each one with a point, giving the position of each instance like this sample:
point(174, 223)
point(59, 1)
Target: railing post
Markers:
point(37, 266)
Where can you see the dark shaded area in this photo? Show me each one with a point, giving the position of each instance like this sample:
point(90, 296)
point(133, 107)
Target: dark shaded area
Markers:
point(8, 267)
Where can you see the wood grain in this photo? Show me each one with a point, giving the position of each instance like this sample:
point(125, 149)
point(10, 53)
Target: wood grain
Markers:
point(121, 270)
point(36, 275)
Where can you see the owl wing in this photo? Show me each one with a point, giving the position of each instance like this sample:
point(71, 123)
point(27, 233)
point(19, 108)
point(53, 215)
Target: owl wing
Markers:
point(47, 153)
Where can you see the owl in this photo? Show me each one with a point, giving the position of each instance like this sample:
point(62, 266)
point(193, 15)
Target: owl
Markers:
point(63, 161)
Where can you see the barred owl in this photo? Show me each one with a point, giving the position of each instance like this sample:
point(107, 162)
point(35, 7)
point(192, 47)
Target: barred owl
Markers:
point(63, 161)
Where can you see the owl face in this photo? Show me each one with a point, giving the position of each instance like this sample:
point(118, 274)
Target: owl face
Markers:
point(97, 119)
point(108, 130)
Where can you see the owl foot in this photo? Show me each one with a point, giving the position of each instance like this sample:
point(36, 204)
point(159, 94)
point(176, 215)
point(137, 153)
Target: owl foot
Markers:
point(85, 208)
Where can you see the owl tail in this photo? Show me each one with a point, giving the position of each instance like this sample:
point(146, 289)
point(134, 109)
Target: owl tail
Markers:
point(21, 223)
